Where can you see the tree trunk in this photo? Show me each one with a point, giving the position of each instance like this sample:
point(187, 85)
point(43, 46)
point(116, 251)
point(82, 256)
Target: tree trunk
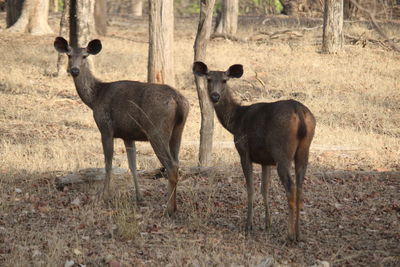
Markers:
point(332, 39)
point(54, 6)
point(100, 17)
point(33, 17)
point(137, 8)
point(207, 110)
point(13, 8)
point(161, 29)
point(64, 25)
point(81, 24)
point(229, 17)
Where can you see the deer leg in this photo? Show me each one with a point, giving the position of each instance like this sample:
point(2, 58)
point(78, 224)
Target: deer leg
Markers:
point(108, 149)
point(265, 183)
point(175, 141)
point(247, 167)
point(301, 161)
point(284, 175)
point(163, 154)
point(131, 154)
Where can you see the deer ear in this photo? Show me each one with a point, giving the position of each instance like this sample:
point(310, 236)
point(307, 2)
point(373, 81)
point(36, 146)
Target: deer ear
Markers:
point(94, 47)
point(61, 45)
point(235, 71)
point(200, 69)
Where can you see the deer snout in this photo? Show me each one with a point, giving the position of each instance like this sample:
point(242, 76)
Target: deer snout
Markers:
point(74, 72)
point(215, 97)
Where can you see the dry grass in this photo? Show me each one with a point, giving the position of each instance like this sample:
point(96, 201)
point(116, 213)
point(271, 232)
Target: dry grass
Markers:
point(47, 131)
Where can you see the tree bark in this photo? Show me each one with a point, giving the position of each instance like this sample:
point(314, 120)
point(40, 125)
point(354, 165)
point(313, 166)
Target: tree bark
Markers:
point(54, 5)
point(64, 26)
point(206, 108)
point(100, 17)
point(137, 8)
point(161, 29)
point(229, 17)
point(33, 17)
point(332, 39)
point(81, 24)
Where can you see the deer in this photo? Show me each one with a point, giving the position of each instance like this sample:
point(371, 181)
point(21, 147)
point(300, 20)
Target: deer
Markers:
point(269, 134)
point(131, 111)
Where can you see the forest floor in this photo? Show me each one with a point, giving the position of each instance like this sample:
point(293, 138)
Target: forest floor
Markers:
point(352, 187)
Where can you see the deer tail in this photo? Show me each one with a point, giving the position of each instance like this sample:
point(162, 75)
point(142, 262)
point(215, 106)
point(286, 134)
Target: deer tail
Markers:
point(302, 131)
point(182, 110)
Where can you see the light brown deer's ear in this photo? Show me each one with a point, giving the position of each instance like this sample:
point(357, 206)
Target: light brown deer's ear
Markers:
point(61, 45)
point(200, 69)
point(94, 47)
point(235, 71)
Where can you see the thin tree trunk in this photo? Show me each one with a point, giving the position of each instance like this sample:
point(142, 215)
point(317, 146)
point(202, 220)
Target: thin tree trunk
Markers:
point(161, 28)
point(62, 57)
point(54, 6)
point(207, 111)
point(332, 39)
point(33, 18)
point(100, 17)
point(81, 22)
point(229, 17)
point(137, 8)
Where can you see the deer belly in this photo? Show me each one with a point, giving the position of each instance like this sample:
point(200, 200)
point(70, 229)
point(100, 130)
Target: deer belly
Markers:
point(261, 155)
point(135, 135)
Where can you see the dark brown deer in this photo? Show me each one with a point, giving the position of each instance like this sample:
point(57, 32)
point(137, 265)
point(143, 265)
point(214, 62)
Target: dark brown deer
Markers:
point(132, 111)
point(268, 134)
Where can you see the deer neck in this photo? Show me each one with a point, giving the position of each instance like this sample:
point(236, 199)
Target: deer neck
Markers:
point(86, 85)
point(227, 111)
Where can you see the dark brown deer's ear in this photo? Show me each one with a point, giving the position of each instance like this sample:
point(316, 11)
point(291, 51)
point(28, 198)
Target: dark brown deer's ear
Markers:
point(235, 71)
point(200, 69)
point(94, 47)
point(61, 45)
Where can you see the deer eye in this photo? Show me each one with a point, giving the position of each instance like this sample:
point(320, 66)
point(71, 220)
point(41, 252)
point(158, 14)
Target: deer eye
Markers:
point(84, 57)
point(209, 80)
point(223, 81)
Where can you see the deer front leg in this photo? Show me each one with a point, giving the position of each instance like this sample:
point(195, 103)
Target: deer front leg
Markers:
point(108, 149)
point(131, 154)
point(265, 182)
point(247, 167)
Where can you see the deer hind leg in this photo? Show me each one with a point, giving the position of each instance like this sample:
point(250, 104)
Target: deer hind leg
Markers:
point(265, 183)
point(108, 149)
point(175, 141)
point(301, 161)
point(164, 155)
point(131, 154)
point(285, 177)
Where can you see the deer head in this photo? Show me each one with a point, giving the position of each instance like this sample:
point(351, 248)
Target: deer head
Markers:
point(216, 80)
point(76, 55)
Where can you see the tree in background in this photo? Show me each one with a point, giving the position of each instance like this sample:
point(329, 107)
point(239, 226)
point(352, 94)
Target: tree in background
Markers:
point(228, 17)
point(137, 8)
point(81, 24)
point(28, 15)
point(160, 68)
point(64, 25)
point(100, 17)
point(206, 108)
point(332, 38)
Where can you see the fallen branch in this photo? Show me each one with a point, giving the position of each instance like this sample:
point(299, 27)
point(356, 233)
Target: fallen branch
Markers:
point(91, 175)
point(227, 37)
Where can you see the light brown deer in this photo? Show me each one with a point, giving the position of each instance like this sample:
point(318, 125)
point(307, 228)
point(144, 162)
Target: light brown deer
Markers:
point(268, 134)
point(132, 111)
